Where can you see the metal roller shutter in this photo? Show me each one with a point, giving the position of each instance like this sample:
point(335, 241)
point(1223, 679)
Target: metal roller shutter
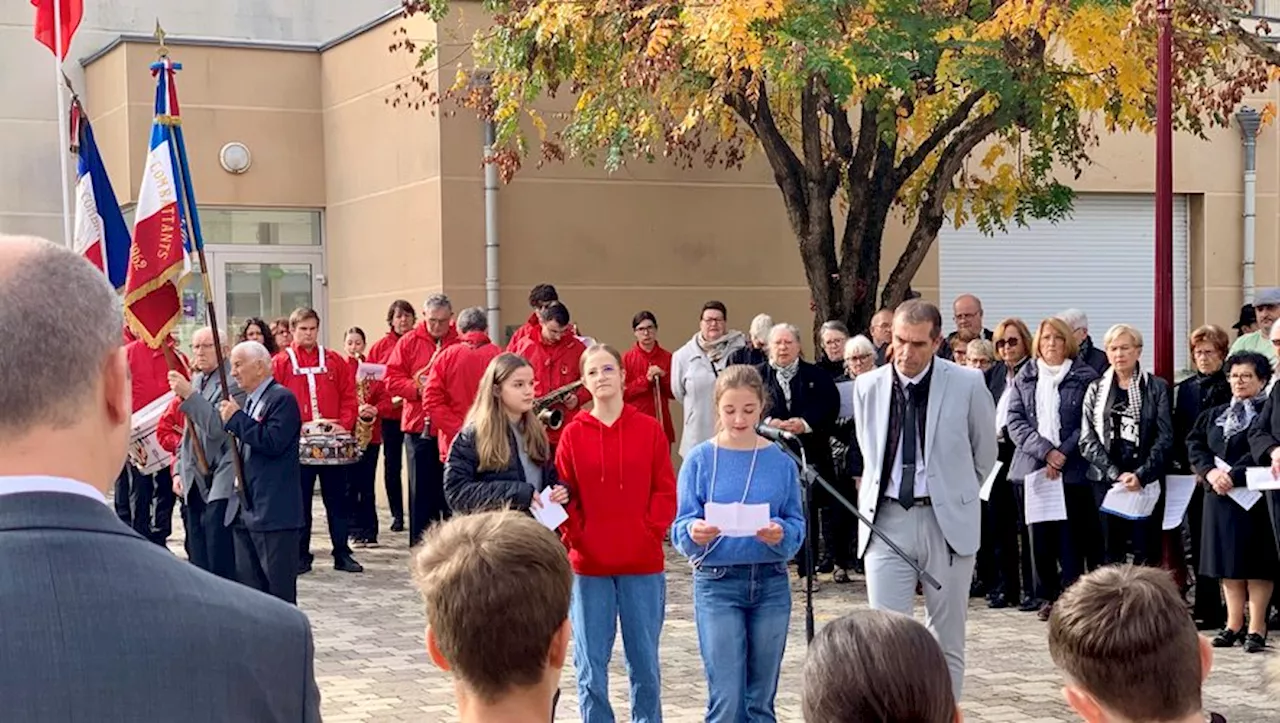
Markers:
point(1100, 260)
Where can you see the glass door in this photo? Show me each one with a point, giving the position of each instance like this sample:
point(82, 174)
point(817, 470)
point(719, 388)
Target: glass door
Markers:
point(267, 285)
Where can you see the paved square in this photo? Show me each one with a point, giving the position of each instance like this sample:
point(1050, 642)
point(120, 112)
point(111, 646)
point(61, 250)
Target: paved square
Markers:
point(372, 667)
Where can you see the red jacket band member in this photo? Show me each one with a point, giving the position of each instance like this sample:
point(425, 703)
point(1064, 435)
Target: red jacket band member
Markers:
point(555, 355)
point(149, 370)
point(400, 318)
point(648, 365)
point(411, 360)
point(540, 297)
point(377, 401)
point(455, 376)
point(312, 372)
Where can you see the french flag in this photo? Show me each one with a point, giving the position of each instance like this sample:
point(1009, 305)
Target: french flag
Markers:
point(152, 302)
point(101, 235)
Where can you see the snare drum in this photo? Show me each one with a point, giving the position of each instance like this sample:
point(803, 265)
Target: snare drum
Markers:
point(324, 443)
point(145, 452)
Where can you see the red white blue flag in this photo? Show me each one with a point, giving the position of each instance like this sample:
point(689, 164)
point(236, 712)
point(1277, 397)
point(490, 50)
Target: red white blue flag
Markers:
point(101, 235)
point(153, 304)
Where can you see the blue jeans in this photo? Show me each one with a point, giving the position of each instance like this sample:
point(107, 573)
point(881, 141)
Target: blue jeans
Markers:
point(599, 603)
point(742, 613)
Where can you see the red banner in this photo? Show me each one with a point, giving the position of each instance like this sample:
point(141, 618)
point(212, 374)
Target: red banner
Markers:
point(71, 11)
point(152, 303)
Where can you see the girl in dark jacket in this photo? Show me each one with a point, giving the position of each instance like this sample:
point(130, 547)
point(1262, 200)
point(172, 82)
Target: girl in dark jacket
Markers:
point(1044, 422)
point(501, 458)
point(1126, 436)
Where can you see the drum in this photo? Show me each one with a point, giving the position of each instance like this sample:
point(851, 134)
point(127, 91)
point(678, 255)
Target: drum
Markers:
point(326, 443)
point(145, 452)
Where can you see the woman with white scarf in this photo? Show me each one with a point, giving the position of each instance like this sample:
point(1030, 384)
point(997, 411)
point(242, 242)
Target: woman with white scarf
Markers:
point(1236, 545)
point(694, 368)
point(1045, 407)
point(1127, 436)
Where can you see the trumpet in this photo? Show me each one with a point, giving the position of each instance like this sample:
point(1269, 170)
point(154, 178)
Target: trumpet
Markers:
point(542, 406)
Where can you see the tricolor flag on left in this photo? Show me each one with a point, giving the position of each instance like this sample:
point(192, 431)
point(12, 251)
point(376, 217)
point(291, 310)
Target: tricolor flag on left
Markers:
point(48, 28)
point(152, 301)
point(100, 235)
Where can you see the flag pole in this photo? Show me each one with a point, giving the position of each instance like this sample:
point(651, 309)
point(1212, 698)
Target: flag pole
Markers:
point(190, 220)
point(64, 135)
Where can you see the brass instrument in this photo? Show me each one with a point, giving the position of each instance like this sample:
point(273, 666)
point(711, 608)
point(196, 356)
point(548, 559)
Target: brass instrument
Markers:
point(364, 427)
point(542, 406)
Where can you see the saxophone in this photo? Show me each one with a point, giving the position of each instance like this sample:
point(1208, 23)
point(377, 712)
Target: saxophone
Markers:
point(543, 406)
point(364, 427)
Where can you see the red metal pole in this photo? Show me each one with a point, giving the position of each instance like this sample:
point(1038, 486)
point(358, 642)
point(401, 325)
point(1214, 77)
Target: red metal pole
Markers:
point(1163, 331)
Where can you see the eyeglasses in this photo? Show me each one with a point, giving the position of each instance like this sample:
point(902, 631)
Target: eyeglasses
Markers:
point(1245, 377)
point(858, 357)
point(646, 328)
point(713, 320)
point(965, 317)
point(198, 347)
point(1002, 343)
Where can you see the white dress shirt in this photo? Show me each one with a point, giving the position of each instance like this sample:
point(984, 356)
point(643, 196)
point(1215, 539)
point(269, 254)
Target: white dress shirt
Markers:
point(60, 485)
point(922, 480)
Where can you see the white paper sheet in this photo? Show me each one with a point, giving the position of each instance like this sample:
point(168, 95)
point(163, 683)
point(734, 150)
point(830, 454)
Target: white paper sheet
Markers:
point(367, 370)
point(1131, 505)
point(1245, 497)
point(1260, 478)
point(984, 493)
point(1220, 464)
point(736, 519)
point(550, 514)
point(1176, 499)
point(1045, 499)
point(845, 390)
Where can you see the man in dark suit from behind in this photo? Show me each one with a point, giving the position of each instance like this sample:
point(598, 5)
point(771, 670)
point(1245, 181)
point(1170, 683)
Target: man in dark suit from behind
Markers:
point(90, 611)
point(270, 520)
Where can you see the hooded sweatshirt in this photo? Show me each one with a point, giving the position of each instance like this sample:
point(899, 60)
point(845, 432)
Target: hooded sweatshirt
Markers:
point(622, 493)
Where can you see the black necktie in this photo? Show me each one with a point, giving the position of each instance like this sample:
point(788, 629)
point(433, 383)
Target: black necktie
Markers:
point(907, 488)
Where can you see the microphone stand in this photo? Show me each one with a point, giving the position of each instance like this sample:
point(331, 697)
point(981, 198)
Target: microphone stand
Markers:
point(809, 477)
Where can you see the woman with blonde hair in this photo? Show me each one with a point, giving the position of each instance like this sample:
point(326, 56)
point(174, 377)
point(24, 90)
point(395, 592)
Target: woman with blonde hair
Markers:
point(618, 462)
point(1126, 437)
point(741, 597)
point(1044, 424)
point(501, 458)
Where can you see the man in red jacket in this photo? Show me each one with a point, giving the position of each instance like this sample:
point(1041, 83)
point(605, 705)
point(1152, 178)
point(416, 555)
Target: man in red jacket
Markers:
point(322, 382)
point(407, 371)
point(145, 501)
point(400, 318)
point(555, 355)
point(455, 377)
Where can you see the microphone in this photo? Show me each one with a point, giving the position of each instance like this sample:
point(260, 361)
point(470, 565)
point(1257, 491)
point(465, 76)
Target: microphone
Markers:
point(773, 434)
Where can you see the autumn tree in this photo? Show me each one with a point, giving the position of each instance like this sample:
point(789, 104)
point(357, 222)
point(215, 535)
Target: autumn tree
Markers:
point(863, 108)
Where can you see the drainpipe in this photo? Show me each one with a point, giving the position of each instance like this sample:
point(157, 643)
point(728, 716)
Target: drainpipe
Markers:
point(482, 82)
point(491, 288)
point(1250, 121)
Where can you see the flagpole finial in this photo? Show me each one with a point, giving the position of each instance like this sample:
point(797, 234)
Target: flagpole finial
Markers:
point(163, 50)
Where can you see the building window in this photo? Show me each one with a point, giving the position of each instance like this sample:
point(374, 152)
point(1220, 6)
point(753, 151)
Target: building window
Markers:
point(255, 227)
point(1267, 8)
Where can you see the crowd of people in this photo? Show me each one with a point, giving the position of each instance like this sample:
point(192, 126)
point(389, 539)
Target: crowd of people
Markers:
point(938, 440)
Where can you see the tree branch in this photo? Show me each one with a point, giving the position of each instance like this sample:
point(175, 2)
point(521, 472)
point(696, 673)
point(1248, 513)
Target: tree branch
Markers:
point(1231, 26)
point(788, 172)
point(912, 163)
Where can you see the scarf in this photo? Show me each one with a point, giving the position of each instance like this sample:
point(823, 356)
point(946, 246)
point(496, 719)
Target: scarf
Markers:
point(720, 348)
point(1102, 410)
point(785, 375)
point(1239, 414)
point(1048, 419)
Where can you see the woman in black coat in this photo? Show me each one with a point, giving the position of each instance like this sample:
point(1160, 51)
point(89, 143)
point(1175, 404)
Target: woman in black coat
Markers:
point(1126, 436)
point(1208, 388)
point(1236, 545)
point(501, 458)
point(1054, 384)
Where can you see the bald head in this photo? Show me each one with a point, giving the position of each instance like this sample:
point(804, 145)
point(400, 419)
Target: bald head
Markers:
point(39, 389)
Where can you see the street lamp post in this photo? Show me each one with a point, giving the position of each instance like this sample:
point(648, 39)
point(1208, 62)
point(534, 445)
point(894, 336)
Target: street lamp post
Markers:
point(1163, 347)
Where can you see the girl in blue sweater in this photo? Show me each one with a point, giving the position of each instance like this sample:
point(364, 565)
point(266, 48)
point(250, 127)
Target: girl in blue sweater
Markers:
point(741, 595)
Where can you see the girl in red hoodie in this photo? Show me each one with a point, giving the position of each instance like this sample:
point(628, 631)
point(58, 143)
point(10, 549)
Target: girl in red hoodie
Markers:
point(617, 461)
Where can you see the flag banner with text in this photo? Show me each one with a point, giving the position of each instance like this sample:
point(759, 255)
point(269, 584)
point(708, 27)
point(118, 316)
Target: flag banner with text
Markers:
point(153, 304)
point(101, 235)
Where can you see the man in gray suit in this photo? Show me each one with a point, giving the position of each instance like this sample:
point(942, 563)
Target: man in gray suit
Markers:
point(928, 435)
point(92, 615)
point(206, 467)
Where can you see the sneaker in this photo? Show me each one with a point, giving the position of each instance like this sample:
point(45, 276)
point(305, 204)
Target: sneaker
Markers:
point(1254, 643)
point(1029, 605)
point(840, 576)
point(1227, 638)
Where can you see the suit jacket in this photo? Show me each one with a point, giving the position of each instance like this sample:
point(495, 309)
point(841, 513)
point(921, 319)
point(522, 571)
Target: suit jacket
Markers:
point(91, 613)
point(269, 443)
point(814, 399)
point(958, 455)
point(203, 422)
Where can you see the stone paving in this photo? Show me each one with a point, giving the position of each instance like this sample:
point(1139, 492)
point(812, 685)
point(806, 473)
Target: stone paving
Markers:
point(372, 667)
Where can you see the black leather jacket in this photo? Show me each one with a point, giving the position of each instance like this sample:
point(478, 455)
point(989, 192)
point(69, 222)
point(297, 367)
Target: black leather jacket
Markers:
point(469, 489)
point(1155, 429)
